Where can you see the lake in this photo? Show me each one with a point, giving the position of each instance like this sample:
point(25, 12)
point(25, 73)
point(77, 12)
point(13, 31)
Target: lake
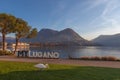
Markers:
point(77, 52)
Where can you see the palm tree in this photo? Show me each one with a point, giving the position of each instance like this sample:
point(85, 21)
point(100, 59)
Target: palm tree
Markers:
point(6, 23)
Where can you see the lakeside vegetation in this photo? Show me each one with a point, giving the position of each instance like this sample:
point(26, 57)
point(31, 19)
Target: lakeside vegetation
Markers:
point(27, 71)
point(19, 27)
point(5, 52)
point(97, 58)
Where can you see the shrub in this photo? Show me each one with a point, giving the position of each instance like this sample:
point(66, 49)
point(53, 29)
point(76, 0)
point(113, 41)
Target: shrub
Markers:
point(104, 58)
point(85, 58)
point(95, 58)
point(109, 58)
point(5, 52)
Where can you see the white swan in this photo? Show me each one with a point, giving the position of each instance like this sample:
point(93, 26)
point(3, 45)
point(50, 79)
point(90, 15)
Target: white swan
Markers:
point(42, 66)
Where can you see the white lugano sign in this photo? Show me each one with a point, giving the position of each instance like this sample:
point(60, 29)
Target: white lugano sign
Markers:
point(36, 54)
point(44, 54)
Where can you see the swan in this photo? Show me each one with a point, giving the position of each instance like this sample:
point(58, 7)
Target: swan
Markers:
point(42, 66)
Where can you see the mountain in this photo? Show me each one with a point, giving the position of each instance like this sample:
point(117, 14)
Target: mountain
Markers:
point(8, 39)
point(65, 37)
point(108, 40)
point(45, 34)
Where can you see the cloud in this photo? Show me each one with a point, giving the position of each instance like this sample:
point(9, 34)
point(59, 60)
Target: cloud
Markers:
point(110, 6)
point(95, 3)
point(108, 21)
point(108, 14)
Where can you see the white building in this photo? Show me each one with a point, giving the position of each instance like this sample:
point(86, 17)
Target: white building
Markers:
point(2, 45)
point(21, 46)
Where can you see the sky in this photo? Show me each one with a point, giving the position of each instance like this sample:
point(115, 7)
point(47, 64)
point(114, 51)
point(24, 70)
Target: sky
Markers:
point(89, 18)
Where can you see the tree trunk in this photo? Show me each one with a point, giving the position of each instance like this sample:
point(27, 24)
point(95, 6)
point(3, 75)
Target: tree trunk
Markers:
point(3, 41)
point(16, 45)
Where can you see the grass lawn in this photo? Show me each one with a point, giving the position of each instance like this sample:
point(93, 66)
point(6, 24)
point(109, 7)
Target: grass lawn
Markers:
point(27, 71)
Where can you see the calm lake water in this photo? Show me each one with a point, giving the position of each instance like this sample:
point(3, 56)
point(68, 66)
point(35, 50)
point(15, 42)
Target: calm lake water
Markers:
point(77, 52)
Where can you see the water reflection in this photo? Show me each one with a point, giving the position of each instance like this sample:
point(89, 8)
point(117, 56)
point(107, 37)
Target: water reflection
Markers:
point(77, 52)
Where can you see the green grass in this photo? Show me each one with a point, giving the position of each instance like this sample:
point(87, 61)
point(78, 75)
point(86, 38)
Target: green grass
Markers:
point(27, 71)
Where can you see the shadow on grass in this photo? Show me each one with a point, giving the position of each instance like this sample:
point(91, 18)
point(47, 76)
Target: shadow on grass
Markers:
point(80, 73)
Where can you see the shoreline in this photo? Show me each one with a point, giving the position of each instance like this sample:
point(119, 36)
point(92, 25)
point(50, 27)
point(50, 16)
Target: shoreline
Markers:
point(109, 64)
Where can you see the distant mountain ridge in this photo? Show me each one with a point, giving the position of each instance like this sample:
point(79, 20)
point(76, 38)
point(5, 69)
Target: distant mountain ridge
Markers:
point(66, 36)
point(8, 39)
point(108, 40)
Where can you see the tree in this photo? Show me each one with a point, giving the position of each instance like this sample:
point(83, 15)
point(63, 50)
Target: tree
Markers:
point(23, 30)
point(6, 24)
point(32, 33)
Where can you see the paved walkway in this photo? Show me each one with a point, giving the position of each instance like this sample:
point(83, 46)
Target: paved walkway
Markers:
point(111, 64)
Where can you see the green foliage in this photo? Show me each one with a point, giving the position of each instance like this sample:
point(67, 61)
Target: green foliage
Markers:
point(21, 28)
point(103, 58)
point(27, 71)
point(6, 25)
point(5, 52)
point(11, 24)
point(32, 33)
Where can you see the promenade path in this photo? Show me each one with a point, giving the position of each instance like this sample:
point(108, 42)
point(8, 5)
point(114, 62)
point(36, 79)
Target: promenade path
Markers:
point(111, 64)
